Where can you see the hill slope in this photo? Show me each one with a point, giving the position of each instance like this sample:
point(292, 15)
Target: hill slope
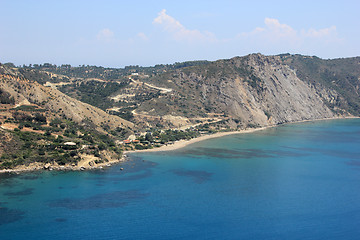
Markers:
point(25, 92)
point(255, 89)
point(42, 126)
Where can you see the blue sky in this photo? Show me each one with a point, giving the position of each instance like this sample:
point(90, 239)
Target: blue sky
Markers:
point(138, 32)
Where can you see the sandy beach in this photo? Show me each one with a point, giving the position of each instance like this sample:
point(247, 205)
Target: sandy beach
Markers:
point(86, 159)
point(184, 143)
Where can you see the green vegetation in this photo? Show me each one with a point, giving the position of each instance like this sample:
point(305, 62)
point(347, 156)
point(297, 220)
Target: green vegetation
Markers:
point(158, 138)
point(95, 93)
point(171, 135)
point(37, 147)
point(29, 108)
point(86, 71)
point(267, 114)
point(124, 113)
point(341, 75)
point(49, 143)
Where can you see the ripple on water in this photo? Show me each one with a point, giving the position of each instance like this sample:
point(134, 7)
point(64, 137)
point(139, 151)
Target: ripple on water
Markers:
point(10, 215)
point(60, 219)
point(242, 153)
point(108, 200)
point(197, 176)
point(26, 191)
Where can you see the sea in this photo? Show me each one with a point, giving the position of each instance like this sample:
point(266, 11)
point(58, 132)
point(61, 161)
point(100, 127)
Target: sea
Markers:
point(294, 181)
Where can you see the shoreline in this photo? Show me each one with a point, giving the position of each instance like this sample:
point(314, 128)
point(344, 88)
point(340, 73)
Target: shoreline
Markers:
point(36, 166)
point(177, 145)
point(183, 143)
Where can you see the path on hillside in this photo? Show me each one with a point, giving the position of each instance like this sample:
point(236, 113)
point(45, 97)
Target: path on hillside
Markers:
point(163, 90)
point(209, 120)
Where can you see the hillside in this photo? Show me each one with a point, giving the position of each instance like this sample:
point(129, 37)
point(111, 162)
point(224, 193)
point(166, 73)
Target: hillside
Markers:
point(255, 90)
point(200, 96)
point(26, 91)
point(340, 76)
point(38, 121)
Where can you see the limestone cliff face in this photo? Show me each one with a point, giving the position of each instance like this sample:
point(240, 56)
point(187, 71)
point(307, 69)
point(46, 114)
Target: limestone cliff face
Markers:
point(280, 95)
point(28, 92)
point(255, 89)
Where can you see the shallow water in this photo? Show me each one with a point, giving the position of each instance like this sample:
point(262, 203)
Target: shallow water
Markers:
point(297, 181)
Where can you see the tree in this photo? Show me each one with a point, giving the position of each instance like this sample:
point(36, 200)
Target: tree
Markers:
point(40, 118)
point(149, 137)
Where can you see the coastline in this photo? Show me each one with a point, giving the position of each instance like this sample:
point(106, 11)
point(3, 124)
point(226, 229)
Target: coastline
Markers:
point(183, 143)
point(170, 147)
point(83, 165)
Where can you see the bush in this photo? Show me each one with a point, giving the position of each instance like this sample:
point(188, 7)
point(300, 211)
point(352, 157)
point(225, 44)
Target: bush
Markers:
point(73, 153)
point(40, 118)
point(102, 146)
point(41, 152)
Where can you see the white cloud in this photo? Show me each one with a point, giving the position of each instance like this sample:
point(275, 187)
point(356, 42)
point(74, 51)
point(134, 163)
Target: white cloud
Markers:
point(180, 32)
point(325, 32)
point(271, 37)
point(275, 31)
point(279, 30)
point(276, 37)
point(142, 36)
point(105, 35)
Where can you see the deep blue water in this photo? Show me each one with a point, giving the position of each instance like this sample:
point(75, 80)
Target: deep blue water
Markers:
point(297, 181)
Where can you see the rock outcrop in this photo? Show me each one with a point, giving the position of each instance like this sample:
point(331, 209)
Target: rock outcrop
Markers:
point(253, 90)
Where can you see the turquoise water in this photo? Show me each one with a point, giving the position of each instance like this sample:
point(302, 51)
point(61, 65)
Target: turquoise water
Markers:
point(298, 181)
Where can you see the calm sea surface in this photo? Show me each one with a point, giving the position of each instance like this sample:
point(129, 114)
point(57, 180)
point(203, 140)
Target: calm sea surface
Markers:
point(298, 181)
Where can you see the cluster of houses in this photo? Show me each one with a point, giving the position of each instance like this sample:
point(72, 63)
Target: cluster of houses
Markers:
point(128, 141)
point(144, 143)
point(136, 141)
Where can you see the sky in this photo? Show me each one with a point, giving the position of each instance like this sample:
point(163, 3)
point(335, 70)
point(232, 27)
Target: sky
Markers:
point(120, 33)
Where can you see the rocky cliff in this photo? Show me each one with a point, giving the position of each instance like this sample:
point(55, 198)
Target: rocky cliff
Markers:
point(252, 90)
